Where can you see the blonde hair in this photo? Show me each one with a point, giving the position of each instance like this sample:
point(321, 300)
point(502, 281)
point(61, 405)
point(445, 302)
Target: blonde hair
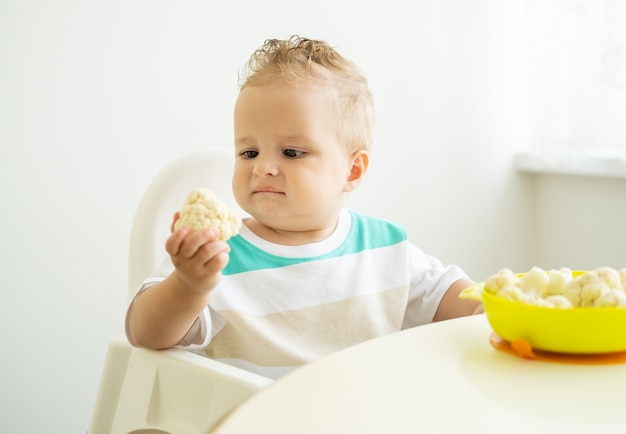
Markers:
point(308, 62)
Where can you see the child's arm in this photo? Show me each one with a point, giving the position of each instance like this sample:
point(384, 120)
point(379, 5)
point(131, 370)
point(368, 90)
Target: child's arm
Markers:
point(163, 314)
point(451, 306)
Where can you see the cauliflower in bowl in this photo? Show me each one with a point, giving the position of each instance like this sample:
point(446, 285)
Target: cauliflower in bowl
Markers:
point(560, 311)
point(602, 287)
point(203, 210)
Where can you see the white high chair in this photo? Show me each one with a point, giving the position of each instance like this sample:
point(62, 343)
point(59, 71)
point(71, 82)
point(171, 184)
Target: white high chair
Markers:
point(169, 391)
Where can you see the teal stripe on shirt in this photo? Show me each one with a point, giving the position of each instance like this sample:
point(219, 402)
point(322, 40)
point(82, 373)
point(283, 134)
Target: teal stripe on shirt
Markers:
point(366, 233)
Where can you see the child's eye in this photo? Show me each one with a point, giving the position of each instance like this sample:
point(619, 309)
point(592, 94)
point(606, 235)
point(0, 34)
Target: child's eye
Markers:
point(249, 154)
point(292, 153)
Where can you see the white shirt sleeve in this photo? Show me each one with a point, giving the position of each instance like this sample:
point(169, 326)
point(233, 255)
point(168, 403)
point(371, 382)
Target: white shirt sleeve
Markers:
point(198, 335)
point(429, 281)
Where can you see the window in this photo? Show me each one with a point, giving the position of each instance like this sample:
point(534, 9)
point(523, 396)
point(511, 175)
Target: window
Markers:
point(577, 78)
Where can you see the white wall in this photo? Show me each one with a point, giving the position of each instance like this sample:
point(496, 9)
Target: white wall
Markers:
point(95, 97)
point(579, 221)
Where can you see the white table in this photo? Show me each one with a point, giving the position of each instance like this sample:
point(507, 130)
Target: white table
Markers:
point(439, 378)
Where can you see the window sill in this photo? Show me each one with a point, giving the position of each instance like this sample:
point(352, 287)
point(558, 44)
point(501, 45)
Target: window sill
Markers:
point(580, 165)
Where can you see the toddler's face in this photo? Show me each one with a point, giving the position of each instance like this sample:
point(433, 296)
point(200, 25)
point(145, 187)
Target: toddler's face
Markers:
point(291, 169)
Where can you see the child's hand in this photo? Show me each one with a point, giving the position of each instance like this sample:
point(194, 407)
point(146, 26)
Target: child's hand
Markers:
point(198, 256)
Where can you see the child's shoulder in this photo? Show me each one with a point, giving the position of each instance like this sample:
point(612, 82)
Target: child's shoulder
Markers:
point(377, 230)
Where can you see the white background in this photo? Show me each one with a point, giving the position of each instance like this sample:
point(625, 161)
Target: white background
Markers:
point(97, 96)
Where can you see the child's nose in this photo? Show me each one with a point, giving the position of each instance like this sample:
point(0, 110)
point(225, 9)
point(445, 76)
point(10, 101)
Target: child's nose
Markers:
point(265, 166)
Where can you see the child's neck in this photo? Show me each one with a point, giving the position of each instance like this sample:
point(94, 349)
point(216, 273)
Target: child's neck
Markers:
point(289, 237)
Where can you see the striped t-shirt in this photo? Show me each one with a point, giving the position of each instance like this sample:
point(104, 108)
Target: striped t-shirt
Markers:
point(278, 307)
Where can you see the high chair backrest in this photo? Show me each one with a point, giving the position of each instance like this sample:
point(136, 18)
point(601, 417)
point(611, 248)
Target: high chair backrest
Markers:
point(169, 391)
point(211, 168)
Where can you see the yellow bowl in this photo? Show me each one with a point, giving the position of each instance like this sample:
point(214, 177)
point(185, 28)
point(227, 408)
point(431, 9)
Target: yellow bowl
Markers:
point(578, 330)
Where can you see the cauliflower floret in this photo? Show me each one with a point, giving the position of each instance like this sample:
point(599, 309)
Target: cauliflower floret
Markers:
point(507, 285)
point(615, 295)
point(597, 284)
point(584, 290)
point(611, 277)
point(571, 291)
point(514, 293)
point(603, 286)
point(203, 210)
point(558, 301)
point(505, 279)
point(556, 282)
point(611, 298)
point(534, 281)
point(622, 277)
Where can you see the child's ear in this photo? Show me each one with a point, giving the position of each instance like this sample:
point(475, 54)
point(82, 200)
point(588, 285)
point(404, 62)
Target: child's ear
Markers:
point(360, 161)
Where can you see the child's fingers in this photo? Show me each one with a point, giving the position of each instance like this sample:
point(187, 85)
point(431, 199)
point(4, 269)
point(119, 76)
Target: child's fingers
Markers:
point(217, 262)
point(207, 255)
point(175, 218)
point(195, 241)
point(174, 243)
